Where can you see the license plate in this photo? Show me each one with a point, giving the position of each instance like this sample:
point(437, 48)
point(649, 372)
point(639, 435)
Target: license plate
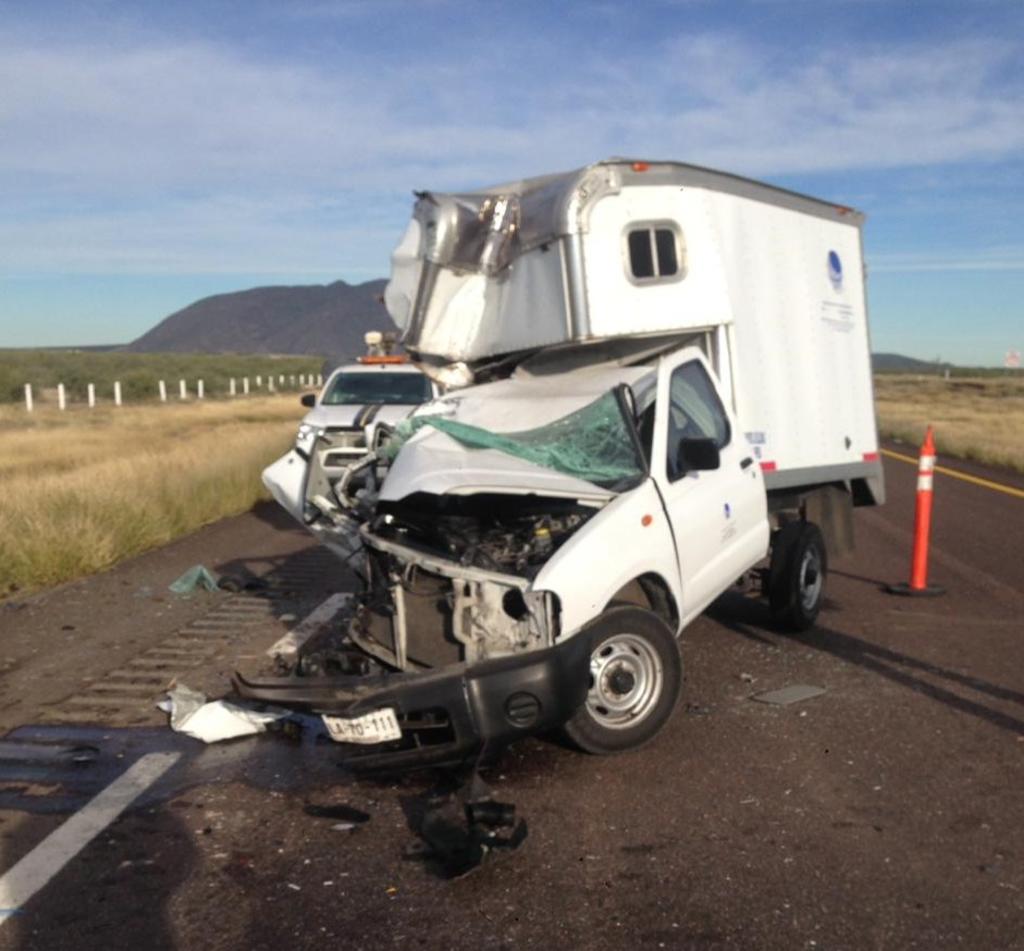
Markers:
point(377, 727)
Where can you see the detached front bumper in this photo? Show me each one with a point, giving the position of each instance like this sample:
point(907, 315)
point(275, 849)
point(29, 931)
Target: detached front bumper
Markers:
point(447, 715)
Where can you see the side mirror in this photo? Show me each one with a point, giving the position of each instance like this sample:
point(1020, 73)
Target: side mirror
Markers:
point(308, 400)
point(697, 455)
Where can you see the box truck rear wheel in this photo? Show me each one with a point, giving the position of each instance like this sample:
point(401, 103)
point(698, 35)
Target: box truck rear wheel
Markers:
point(796, 577)
point(636, 675)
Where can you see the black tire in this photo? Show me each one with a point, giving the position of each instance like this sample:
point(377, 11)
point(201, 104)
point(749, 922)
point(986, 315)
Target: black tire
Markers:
point(636, 679)
point(796, 577)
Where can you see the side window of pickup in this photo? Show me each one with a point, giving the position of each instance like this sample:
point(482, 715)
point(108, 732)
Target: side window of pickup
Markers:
point(695, 411)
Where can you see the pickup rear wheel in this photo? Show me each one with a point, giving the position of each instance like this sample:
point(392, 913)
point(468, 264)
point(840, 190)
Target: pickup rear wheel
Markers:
point(636, 675)
point(796, 576)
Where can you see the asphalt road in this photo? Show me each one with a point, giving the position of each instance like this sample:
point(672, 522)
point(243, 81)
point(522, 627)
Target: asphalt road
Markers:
point(885, 813)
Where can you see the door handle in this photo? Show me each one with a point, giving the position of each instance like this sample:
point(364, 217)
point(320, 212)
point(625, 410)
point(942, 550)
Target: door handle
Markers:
point(747, 463)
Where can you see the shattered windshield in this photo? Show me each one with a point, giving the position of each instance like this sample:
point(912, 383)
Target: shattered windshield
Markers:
point(387, 388)
point(593, 443)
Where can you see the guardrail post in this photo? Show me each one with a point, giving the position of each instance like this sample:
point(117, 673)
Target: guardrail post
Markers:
point(28, 397)
point(245, 385)
point(163, 391)
point(270, 384)
point(182, 389)
point(231, 386)
point(319, 379)
point(117, 392)
point(199, 389)
point(90, 395)
point(62, 399)
point(259, 382)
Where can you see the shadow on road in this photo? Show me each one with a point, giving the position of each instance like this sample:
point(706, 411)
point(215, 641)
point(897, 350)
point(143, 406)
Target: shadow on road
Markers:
point(121, 884)
point(743, 616)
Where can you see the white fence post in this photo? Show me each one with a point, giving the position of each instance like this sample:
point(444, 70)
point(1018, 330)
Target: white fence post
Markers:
point(163, 391)
point(280, 379)
point(90, 394)
point(62, 399)
point(182, 389)
point(259, 382)
point(199, 389)
point(117, 392)
point(231, 388)
point(291, 381)
point(270, 384)
point(28, 397)
point(245, 385)
point(319, 379)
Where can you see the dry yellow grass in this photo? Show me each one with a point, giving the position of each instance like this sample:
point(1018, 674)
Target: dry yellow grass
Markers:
point(980, 419)
point(82, 490)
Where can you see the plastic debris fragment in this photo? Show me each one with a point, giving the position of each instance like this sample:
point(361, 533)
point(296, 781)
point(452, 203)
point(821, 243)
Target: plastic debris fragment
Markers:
point(212, 721)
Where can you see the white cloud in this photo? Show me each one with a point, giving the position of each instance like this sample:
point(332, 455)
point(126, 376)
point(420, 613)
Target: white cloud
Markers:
point(194, 155)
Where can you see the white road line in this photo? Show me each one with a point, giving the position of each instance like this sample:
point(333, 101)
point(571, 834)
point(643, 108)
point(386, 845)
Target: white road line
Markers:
point(55, 851)
point(323, 614)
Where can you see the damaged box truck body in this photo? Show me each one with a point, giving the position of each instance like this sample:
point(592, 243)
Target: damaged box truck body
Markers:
point(659, 383)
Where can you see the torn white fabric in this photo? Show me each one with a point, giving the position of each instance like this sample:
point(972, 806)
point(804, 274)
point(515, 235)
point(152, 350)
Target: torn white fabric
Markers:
point(212, 721)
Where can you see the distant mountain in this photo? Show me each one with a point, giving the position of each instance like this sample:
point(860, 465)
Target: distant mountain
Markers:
point(313, 319)
point(887, 362)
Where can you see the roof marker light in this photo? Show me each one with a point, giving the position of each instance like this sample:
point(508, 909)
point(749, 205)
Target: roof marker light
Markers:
point(641, 166)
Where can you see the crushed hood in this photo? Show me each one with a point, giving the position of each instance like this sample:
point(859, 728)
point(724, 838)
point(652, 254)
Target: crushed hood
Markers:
point(433, 461)
point(357, 415)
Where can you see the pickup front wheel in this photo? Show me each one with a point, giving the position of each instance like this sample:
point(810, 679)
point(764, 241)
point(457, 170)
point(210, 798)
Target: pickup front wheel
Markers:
point(636, 676)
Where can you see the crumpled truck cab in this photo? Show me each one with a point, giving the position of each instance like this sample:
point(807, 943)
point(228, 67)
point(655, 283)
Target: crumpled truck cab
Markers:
point(658, 387)
point(495, 556)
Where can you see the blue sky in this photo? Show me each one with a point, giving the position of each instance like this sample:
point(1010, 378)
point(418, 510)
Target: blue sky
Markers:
point(154, 153)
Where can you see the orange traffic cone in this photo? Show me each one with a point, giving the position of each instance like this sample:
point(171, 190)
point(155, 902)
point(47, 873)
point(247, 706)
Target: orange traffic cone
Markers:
point(918, 585)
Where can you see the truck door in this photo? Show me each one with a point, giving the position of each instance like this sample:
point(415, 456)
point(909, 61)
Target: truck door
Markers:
point(718, 516)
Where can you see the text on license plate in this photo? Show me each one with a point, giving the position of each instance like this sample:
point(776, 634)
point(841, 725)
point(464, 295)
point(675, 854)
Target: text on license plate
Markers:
point(380, 726)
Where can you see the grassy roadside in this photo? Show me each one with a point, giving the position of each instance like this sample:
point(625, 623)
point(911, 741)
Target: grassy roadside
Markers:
point(82, 490)
point(980, 419)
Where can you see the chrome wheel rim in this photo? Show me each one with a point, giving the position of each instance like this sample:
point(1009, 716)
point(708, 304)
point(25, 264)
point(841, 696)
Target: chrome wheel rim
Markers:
point(811, 579)
point(626, 678)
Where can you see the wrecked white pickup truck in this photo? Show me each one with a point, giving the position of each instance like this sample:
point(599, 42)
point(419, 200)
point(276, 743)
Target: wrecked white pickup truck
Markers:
point(658, 388)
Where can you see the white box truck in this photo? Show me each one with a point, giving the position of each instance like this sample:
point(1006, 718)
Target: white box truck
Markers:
point(658, 387)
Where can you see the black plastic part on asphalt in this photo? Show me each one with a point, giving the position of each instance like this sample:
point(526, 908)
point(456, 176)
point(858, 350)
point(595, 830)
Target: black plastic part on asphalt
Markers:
point(461, 826)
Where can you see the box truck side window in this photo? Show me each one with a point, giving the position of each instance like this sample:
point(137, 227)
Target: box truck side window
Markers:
point(695, 412)
point(653, 251)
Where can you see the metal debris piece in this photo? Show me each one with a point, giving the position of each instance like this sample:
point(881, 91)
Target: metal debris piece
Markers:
point(788, 695)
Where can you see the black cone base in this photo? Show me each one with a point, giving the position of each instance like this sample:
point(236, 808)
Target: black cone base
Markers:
point(903, 588)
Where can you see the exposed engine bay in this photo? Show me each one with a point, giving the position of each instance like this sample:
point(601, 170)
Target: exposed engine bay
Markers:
point(514, 534)
point(447, 578)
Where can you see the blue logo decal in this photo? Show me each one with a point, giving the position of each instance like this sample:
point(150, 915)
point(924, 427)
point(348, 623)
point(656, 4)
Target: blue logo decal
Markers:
point(728, 510)
point(835, 270)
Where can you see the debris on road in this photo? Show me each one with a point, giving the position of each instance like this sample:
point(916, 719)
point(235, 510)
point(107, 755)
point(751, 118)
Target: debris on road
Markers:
point(346, 814)
point(212, 721)
point(197, 577)
point(788, 695)
point(458, 841)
